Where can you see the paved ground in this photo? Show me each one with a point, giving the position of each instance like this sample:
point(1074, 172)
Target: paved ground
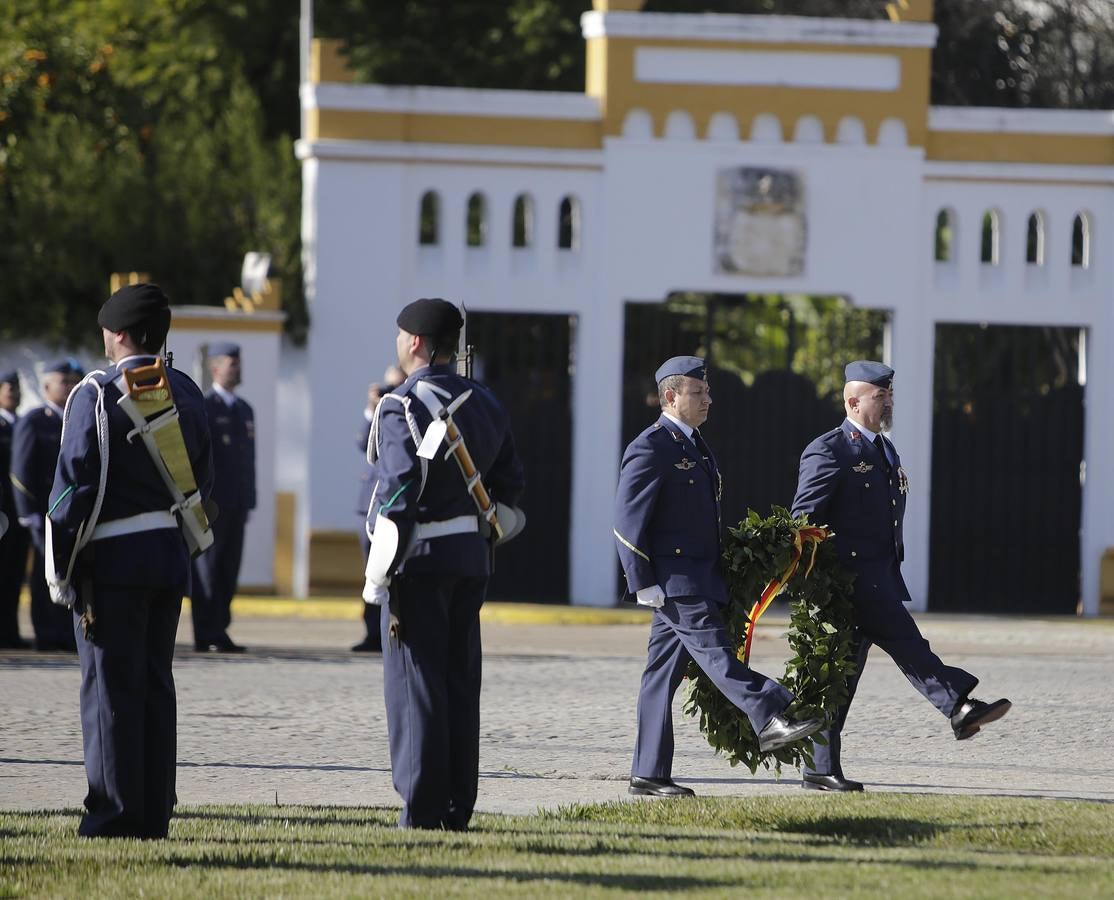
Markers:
point(302, 719)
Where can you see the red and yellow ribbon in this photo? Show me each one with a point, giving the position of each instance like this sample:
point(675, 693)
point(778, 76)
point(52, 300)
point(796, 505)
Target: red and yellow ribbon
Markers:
point(809, 534)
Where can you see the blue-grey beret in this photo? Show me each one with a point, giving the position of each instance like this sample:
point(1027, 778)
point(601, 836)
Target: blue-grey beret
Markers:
point(67, 366)
point(10, 377)
point(223, 348)
point(871, 372)
point(692, 366)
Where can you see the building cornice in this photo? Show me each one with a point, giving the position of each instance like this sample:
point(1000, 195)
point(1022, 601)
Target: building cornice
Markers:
point(451, 101)
point(757, 29)
point(999, 120)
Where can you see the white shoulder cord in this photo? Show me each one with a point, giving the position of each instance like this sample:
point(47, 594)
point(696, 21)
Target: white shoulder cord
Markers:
point(85, 530)
point(411, 423)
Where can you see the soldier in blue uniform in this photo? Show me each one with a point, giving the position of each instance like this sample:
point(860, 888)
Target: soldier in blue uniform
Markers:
point(35, 442)
point(851, 480)
point(667, 532)
point(216, 572)
point(431, 556)
point(372, 641)
point(13, 541)
point(118, 556)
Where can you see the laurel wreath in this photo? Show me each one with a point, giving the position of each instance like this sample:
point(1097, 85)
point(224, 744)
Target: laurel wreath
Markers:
point(820, 636)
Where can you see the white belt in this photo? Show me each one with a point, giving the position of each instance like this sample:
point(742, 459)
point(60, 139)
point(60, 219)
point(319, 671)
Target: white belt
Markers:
point(425, 531)
point(148, 521)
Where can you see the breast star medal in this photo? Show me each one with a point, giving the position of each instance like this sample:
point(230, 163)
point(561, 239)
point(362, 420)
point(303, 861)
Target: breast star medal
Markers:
point(902, 480)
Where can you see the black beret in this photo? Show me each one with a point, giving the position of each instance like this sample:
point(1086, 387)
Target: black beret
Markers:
point(431, 316)
point(692, 366)
point(135, 306)
point(10, 377)
point(876, 373)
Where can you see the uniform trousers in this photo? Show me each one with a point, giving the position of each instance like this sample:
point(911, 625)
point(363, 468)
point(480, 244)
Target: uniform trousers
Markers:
point(215, 575)
point(691, 629)
point(13, 569)
point(51, 622)
point(129, 711)
point(881, 619)
point(431, 685)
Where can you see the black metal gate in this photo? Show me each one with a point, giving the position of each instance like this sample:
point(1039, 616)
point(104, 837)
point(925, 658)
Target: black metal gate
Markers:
point(525, 360)
point(776, 377)
point(1007, 450)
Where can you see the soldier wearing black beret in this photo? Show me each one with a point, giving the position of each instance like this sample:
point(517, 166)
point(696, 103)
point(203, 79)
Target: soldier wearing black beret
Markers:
point(430, 559)
point(120, 560)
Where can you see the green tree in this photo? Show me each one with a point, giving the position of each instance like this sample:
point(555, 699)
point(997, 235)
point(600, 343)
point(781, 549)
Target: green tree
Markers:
point(130, 139)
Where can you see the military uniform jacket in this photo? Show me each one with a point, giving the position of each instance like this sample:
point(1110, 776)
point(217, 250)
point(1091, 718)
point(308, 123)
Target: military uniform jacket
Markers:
point(409, 490)
point(7, 500)
point(233, 433)
point(35, 441)
point(149, 559)
point(667, 515)
point(367, 478)
point(843, 484)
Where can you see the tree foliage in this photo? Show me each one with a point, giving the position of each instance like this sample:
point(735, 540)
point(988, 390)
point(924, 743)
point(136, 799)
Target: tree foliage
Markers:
point(131, 140)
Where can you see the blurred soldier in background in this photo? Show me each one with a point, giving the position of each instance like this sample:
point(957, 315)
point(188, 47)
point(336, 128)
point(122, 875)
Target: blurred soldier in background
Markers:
point(35, 442)
point(392, 378)
point(13, 542)
point(216, 572)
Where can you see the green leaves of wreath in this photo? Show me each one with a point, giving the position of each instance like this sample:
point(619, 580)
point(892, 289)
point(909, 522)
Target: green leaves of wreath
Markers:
point(757, 551)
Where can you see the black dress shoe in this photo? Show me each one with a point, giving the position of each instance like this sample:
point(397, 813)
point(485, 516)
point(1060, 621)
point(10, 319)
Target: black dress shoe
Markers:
point(814, 782)
point(783, 730)
point(658, 787)
point(200, 646)
point(225, 644)
point(15, 644)
point(368, 645)
point(972, 714)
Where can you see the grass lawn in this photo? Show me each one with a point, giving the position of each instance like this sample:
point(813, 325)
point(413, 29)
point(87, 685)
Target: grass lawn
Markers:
point(871, 845)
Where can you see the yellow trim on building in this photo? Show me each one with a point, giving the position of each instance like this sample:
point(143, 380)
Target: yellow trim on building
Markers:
point(357, 125)
point(245, 322)
point(327, 63)
point(336, 562)
point(1004, 147)
point(611, 78)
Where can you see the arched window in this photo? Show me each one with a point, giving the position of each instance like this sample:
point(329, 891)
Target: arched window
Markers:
point(522, 228)
point(945, 235)
point(1034, 239)
point(991, 237)
point(476, 226)
point(429, 219)
point(568, 224)
point(1081, 241)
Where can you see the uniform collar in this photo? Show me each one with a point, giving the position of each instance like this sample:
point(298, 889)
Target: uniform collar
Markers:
point(54, 406)
point(869, 435)
point(136, 359)
point(226, 396)
point(686, 430)
point(8, 417)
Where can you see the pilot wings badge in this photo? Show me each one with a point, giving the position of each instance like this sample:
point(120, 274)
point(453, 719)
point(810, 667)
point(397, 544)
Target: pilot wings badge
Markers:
point(684, 465)
point(862, 467)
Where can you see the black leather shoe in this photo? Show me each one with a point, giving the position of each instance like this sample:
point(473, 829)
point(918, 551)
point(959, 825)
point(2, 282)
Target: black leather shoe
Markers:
point(227, 645)
point(367, 645)
point(972, 714)
point(813, 782)
point(200, 646)
point(783, 730)
point(15, 644)
point(658, 787)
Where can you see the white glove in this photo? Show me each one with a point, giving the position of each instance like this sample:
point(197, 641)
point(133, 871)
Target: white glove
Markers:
point(652, 596)
point(376, 594)
point(61, 592)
